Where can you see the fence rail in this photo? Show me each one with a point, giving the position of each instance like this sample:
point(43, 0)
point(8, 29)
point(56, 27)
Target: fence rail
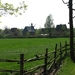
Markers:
point(51, 61)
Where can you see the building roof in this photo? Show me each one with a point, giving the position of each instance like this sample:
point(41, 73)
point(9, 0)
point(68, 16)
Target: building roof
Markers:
point(13, 29)
point(60, 27)
point(30, 28)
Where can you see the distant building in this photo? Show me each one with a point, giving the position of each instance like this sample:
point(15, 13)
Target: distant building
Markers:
point(61, 30)
point(29, 29)
point(14, 32)
point(13, 29)
point(61, 27)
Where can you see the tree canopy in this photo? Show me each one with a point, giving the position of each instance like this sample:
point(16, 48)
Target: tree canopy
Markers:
point(49, 21)
point(49, 24)
point(6, 8)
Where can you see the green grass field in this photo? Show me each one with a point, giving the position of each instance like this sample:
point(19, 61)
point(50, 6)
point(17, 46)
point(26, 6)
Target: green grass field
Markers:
point(12, 48)
point(68, 68)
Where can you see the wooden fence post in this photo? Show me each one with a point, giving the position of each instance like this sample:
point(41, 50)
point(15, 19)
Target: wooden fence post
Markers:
point(66, 48)
point(21, 64)
point(45, 67)
point(55, 56)
point(60, 54)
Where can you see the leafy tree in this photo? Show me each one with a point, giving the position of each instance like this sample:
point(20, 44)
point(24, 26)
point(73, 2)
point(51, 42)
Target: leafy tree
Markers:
point(6, 8)
point(49, 24)
point(27, 34)
point(6, 30)
point(38, 32)
point(10, 9)
point(20, 32)
point(0, 30)
point(1, 33)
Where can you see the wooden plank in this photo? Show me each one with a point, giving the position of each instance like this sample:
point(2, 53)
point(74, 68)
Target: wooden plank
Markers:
point(3, 70)
point(55, 55)
point(8, 60)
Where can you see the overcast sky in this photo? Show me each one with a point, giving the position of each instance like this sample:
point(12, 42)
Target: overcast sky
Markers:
point(36, 13)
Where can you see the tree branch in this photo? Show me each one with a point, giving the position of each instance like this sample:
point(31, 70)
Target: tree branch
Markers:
point(73, 9)
point(73, 16)
point(64, 2)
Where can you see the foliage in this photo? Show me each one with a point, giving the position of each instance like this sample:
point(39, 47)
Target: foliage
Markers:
point(38, 32)
point(49, 21)
point(7, 33)
point(65, 33)
point(49, 24)
point(27, 34)
point(10, 9)
point(19, 33)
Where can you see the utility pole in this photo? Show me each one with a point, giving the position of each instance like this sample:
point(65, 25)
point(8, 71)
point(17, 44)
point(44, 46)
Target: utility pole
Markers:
point(71, 29)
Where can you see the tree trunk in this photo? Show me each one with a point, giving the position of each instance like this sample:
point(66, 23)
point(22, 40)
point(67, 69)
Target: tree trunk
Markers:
point(71, 30)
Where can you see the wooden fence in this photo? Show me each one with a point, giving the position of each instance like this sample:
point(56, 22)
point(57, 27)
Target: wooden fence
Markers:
point(52, 60)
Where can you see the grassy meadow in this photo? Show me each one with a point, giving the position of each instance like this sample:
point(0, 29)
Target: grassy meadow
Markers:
point(68, 68)
point(12, 48)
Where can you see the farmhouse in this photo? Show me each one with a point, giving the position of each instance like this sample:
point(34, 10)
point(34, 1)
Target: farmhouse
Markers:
point(13, 29)
point(14, 32)
point(61, 27)
point(29, 29)
point(60, 30)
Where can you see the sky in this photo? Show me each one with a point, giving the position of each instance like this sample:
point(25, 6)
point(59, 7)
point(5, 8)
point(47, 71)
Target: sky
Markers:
point(36, 13)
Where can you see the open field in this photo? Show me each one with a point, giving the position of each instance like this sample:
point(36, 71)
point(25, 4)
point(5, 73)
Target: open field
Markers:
point(12, 48)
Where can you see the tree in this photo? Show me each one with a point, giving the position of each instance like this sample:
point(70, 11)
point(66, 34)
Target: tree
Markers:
point(70, 6)
point(1, 33)
point(6, 30)
point(7, 8)
point(49, 24)
point(27, 34)
point(37, 32)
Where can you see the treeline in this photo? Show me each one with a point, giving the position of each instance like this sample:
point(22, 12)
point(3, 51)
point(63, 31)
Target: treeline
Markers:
point(42, 32)
point(6, 33)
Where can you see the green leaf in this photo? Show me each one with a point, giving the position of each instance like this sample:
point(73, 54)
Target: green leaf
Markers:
point(11, 13)
point(20, 13)
point(9, 8)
